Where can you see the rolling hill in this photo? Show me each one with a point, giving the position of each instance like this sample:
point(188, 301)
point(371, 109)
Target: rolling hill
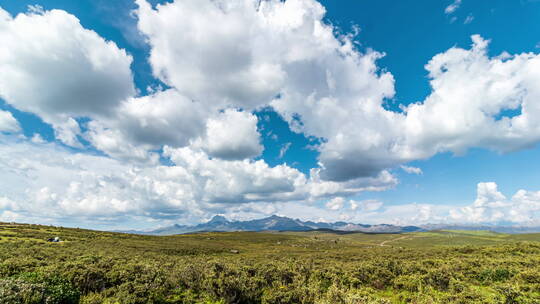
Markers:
point(311, 267)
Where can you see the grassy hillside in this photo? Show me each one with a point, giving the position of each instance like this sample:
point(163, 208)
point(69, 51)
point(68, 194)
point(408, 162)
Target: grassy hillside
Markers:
point(244, 267)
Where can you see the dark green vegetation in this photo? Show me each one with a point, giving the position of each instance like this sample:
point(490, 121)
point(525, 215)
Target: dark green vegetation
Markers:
point(243, 267)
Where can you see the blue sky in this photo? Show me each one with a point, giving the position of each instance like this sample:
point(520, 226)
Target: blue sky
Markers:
point(276, 150)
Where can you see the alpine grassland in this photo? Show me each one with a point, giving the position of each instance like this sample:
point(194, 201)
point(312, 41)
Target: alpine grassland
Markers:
point(254, 267)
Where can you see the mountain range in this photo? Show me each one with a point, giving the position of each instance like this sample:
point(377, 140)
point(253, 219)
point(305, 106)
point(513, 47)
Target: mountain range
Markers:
point(276, 223)
point(280, 223)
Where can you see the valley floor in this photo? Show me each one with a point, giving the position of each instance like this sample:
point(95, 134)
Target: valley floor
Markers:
point(249, 267)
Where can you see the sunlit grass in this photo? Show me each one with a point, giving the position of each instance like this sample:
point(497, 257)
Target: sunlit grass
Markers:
point(250, 267)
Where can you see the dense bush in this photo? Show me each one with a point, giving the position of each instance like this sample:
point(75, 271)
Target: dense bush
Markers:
point(34, 288)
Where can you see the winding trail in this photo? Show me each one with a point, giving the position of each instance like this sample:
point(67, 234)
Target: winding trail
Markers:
point(383, 243)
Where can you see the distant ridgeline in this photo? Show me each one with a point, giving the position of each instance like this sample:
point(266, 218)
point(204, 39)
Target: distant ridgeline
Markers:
point(279, 223)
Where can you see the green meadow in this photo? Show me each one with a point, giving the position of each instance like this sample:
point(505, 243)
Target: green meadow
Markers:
point(249, 267)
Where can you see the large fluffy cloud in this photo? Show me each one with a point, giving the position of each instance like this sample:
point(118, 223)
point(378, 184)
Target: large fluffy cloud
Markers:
point(43, 179)
point(53, 67)
point(491, 206)
point(471, 93)
point(232, 135)
point(222, 55)
point(143, 124)
point(246, 52)
point(47, 182)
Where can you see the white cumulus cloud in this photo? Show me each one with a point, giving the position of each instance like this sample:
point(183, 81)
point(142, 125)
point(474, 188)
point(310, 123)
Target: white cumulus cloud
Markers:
point(491, 206)
point(53, 67)
point(412, 170)
point(8, 123)
point(336, 203)
point(232, 135)
point(48, 181)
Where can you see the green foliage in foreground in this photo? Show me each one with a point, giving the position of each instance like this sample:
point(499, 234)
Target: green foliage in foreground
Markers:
point(313, 267)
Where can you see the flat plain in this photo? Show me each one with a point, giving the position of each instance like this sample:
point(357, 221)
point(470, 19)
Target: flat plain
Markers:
point(267, 267)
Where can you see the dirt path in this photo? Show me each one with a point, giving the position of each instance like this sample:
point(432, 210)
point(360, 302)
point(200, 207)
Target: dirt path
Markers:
point(383, 243)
